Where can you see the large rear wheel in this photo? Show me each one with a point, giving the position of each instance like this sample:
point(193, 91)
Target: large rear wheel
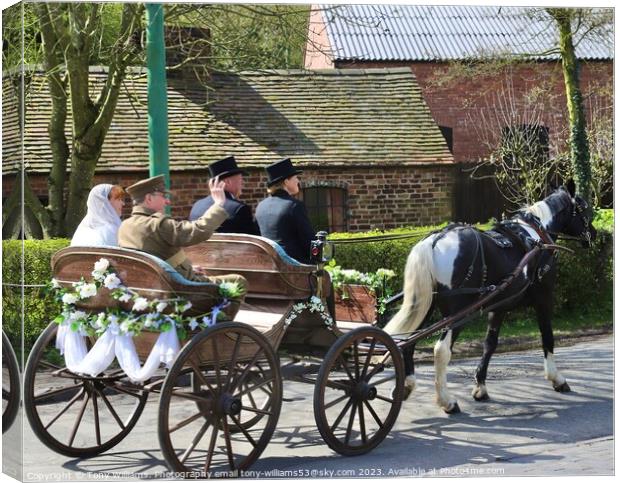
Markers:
point(220, 402)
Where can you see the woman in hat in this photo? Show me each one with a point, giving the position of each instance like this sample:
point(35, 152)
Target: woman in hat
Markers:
point(283, 218)
point(103, 217)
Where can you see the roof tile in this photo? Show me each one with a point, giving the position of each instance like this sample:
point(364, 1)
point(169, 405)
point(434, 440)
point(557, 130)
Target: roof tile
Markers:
point(326, 117)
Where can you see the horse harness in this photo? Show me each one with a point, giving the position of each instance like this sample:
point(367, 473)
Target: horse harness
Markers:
point(504, 234)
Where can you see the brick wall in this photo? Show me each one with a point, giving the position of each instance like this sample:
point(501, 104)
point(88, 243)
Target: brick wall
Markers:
point(378, 198)
point(464, 103)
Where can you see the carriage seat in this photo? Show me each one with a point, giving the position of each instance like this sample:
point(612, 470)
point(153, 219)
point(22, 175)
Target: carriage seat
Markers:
point(147, 274)
point(270, 272)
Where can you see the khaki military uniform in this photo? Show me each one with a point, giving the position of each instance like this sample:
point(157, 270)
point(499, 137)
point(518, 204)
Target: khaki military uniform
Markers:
point(160, 235)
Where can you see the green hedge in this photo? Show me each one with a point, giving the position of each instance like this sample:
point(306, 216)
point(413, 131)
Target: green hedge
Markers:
point(39, 309)
point(585, 278)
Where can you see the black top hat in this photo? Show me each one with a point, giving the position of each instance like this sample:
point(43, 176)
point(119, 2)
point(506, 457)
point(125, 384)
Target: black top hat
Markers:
point(225, 167)
point(279, 171)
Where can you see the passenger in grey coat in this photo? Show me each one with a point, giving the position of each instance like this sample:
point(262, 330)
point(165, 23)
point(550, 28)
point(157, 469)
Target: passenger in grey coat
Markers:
point(240, 218)
point(283, 218)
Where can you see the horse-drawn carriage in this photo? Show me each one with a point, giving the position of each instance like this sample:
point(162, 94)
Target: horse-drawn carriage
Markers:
point(220, 398)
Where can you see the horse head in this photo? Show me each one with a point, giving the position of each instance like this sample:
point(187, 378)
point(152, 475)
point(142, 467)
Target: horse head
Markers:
point(572, 216)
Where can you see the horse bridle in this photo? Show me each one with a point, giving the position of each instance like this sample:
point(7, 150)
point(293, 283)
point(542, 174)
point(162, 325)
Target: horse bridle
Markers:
point(544, 234)
point(585, 234)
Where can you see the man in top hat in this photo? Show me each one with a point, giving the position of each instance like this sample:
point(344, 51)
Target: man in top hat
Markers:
point(283, 218)
point(239, 214)
point(149, 230)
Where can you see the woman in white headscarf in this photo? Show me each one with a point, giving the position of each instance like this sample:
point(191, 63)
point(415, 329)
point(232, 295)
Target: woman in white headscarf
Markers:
point(100, 225)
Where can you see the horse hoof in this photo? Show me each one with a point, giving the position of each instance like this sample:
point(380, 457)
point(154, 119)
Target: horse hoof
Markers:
point(453, 408)
point(481, 396)
point(562, 387)
point(480, 393)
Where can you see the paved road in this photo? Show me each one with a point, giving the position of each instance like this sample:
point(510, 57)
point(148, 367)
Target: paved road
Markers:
point(527, 429)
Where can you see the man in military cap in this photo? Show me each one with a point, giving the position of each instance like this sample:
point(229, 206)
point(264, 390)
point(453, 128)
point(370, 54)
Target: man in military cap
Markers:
point(240, 218)
point(149, 230)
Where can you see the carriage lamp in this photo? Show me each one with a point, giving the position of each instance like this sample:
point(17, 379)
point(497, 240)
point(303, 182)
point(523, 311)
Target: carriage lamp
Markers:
point(321, 250)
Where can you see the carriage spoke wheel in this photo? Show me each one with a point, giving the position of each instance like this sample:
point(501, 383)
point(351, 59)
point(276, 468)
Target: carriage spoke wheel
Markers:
point(258, 402)
point(10, 384)
point(356, 397)
point(74, 415)
point(217, 421)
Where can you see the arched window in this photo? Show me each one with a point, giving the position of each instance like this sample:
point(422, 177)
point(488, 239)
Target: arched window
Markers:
point(327, 207)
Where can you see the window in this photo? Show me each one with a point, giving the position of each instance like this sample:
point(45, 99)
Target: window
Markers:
point(326, 207)
point(526, 140)
point(447, 134)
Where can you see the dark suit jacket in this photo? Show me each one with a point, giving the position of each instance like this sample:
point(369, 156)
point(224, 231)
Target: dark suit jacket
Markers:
point(239, 215)
point(284, 220)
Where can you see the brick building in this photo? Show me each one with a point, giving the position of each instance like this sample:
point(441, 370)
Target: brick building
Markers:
point(433, 40)
point(371, 154)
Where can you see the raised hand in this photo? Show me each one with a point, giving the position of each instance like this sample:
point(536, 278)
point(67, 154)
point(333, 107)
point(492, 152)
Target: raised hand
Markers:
point(216, 187)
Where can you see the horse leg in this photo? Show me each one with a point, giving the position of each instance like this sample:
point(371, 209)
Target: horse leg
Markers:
point(543, 311)
point(443, 353)
point(490, 344)
point(410, 382)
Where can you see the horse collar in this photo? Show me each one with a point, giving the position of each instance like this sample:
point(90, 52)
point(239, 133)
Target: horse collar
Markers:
point(536, 225)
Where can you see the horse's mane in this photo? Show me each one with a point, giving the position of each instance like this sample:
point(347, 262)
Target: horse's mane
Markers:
point(542, 209)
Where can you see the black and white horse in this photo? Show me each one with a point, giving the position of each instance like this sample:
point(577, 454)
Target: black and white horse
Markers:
point(445, 269)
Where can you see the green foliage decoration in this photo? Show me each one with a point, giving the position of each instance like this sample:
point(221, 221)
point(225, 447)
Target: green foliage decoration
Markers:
point(378, 282)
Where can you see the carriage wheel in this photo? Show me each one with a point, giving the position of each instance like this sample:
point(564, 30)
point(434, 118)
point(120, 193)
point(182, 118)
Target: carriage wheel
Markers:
point(10, 384)
point(77, 416)
point(258, 401)
point(357, 398)
point(219, 423)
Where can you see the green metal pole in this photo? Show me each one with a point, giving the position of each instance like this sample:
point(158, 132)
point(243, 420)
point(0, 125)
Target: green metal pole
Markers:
point(157, 92)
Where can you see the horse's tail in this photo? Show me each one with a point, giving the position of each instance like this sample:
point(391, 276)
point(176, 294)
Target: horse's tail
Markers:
point(418, 289)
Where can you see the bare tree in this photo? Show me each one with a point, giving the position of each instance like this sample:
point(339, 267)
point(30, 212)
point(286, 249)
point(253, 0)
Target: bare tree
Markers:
point(524, 159)
point(600, 132)
point(574, 25)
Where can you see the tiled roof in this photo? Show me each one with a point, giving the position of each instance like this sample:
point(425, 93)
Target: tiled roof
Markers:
point(330, 117)
point(427, 33)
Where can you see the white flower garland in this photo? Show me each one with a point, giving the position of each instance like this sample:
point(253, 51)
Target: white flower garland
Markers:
point(144, 314)
point(314, 304)
point(115, 328)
